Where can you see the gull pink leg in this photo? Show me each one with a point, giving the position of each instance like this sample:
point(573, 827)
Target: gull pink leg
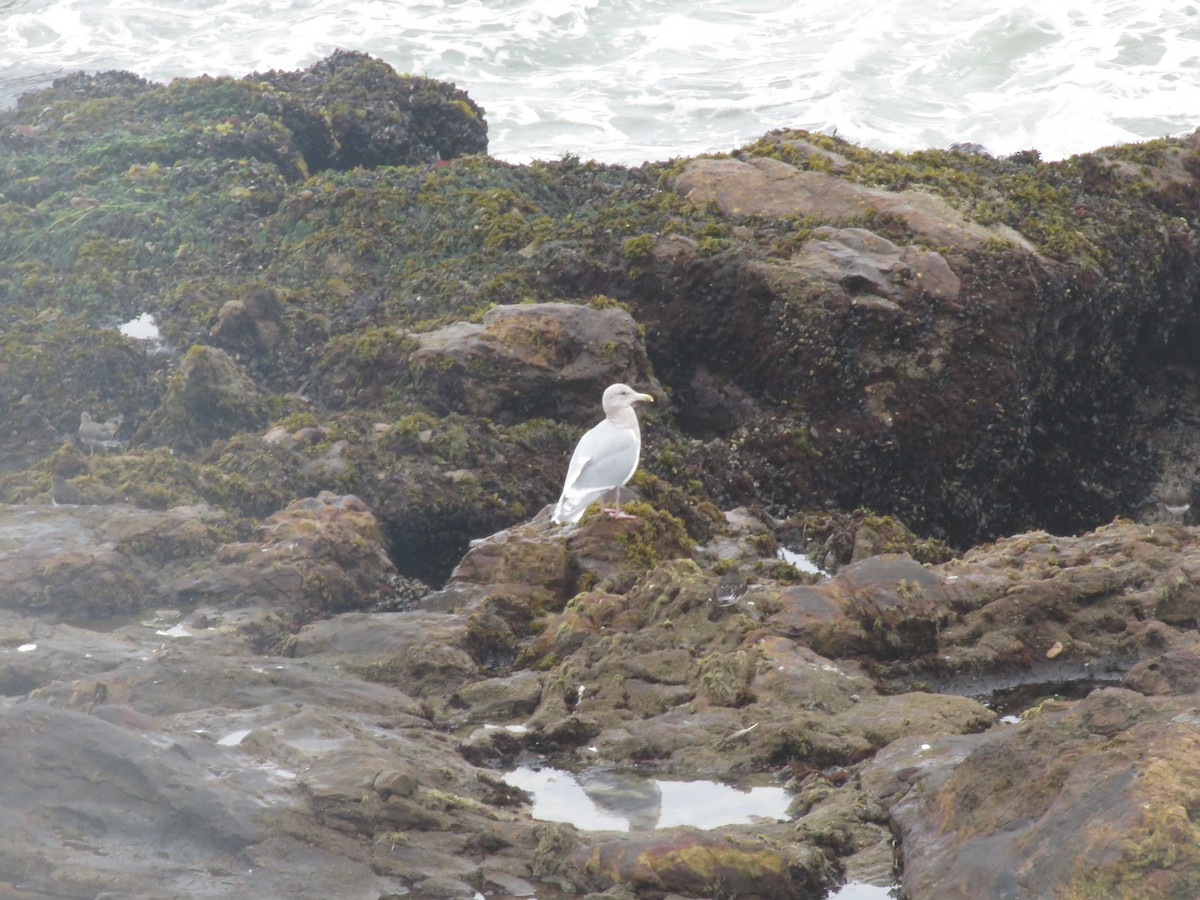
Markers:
point(616, 513)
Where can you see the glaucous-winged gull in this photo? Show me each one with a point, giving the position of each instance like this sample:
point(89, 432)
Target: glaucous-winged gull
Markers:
point(93, 433)
point(605, 458)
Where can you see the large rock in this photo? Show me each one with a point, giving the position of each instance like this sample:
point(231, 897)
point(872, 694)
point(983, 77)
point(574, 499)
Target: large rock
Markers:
point(1091, 802)
point(762, 186)
point(692, 863)
point(343, 111)
point(311, 761)
point(209, 397)
point(873, 267)
point(423, 652)
point(351, 109)
point(1119, 592)
point(319, 556)
point(96, 562)
point(882, 606)
point(72, 778)
point(546, 359)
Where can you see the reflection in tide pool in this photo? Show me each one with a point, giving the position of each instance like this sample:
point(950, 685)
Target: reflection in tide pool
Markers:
point(857, 890)
point(143, 328)
point(800, 561)
point(596, 800)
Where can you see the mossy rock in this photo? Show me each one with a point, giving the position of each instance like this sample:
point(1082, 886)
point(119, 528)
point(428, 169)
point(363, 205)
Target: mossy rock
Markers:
point(208, 398)
point(654, 536)
point(689, 862)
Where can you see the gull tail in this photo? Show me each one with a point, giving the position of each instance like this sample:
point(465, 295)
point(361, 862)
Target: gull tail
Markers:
point(571, 506)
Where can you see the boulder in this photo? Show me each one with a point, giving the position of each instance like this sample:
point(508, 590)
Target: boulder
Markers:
point(346, 110)
point(882, 606)
point(209, 397)
point(872, 266)
point(251, 325)
point(96, 562)
point(551, 359)
point(691, 863)
point(423, 652)
point(762, 186)
point(1088, 802)
point(351, 109)
point(318, 556)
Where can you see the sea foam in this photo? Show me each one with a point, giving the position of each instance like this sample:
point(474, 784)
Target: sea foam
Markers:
point(623, 82)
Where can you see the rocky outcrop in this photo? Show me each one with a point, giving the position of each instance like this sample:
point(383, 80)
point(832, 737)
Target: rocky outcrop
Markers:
point(942, 336)
point(764, 186)
point(850, 687)
point(208, 398)
point(63, 563)
point(691, 864)
point(1089, 801)
point(550, 359)
point(344, 111)
point(352, 110)
point(321, 555)
point(878, 299)
point(302, 619)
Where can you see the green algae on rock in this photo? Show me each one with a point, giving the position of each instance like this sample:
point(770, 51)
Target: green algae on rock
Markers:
point(207, 398)
point(851, 353)
point(874, 354)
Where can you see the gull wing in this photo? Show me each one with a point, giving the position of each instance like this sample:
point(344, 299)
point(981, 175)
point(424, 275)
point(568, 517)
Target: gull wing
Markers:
point(604, 459)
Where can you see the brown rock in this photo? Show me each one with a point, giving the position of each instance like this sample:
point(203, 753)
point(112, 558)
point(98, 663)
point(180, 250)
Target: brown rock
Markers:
point(1051, 808)
point(250, 325)
point(1098, 593)
point(420, 652)
point(550, 359)
point(768, 187)
point(496, 700)
point(320, 555)
point(865, 263)
point(521, 557)
point(813, 617)
point(693, 863)
point(884, 606)
point(1176, 672)
point(82, 562)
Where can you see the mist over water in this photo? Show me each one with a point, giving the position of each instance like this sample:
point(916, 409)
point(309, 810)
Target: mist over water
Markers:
point(622, 81)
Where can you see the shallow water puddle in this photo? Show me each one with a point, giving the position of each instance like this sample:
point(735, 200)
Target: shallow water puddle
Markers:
point(234, 737)
point(1011, 693)
point(143, 328)
point(800, 561)
point(596, 800)
point(857, 890)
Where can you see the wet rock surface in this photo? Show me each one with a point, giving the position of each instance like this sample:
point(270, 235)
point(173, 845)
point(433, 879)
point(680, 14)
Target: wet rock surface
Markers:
point(286, 632)
point(372, 735)
point(552, 358)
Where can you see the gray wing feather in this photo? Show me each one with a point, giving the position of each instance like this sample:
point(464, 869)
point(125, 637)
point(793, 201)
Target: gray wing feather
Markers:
point(604, 458)
point(609, 456)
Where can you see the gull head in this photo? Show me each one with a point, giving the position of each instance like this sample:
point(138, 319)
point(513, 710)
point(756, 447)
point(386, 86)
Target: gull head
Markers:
point(622, 396)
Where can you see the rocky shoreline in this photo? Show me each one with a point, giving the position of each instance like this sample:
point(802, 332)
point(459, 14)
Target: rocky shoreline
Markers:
point(262, 641)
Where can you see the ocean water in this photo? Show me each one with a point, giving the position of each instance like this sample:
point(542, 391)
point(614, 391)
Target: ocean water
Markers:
point(624, 81)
